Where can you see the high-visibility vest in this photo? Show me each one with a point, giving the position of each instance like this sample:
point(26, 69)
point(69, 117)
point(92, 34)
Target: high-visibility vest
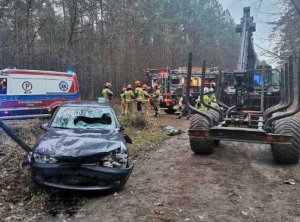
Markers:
point(213, 100)
point(206, 99)
point(213, 97)
point(139, 94)
point(128, 94)
point(107, 93)
point(156, 95)
point(145, 96)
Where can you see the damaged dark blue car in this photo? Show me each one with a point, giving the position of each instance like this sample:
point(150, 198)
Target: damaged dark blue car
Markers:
point(84, 148)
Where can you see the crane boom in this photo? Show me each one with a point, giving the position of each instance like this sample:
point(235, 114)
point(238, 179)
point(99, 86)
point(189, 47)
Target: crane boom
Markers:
point(247, 55)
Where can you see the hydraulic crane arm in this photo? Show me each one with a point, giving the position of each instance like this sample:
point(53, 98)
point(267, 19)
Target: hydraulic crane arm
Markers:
point(247, 54)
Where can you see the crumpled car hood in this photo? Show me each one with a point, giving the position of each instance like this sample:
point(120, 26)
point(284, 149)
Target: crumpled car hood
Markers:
point(78, 142)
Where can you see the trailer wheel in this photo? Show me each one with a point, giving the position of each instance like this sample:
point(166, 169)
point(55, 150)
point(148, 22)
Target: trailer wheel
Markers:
point(215, 116)
point(200, 145)
point(216, 119)
point(283, 153)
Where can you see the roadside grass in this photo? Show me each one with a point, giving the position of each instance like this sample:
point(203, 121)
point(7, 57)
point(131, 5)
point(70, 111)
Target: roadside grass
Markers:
point(145, 133)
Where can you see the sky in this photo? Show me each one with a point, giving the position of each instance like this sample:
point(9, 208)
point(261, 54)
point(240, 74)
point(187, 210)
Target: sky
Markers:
point(263, 11)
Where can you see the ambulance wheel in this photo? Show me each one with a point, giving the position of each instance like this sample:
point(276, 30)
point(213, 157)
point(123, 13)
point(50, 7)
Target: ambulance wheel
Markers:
point(287, 153)
point(200, 145)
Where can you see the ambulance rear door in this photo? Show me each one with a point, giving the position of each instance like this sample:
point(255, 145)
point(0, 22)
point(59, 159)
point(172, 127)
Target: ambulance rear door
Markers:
point(29, 95)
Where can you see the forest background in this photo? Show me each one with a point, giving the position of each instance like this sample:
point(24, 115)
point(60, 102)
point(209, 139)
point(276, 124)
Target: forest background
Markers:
point(117, 40)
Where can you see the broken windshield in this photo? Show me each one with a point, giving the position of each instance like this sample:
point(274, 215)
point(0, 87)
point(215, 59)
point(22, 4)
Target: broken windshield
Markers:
point(84, 118)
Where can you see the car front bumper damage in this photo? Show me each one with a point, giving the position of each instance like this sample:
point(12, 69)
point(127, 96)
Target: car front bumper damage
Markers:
point(80, 176)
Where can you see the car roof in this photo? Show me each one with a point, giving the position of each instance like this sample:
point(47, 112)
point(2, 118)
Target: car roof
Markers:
point(86, 103)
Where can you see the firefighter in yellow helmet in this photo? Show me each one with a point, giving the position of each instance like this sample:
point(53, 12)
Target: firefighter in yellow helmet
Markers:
point(146, 96)
point(129, 96)
point(206, 99)
point(122, 96)
point(139, 93)
point(156, 99)
point(106, 92)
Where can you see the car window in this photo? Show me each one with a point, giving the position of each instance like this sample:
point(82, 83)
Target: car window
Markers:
point(84, 118)
point(3, 85)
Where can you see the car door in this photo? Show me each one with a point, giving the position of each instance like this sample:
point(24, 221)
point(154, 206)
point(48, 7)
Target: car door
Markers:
point(5, 97)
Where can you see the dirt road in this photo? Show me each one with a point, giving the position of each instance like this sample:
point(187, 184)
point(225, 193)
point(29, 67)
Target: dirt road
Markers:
point(239, 182)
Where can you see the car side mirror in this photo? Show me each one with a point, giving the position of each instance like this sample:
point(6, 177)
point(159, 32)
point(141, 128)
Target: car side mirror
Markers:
point(44, 126)
point(121, 129)
point(128, 139)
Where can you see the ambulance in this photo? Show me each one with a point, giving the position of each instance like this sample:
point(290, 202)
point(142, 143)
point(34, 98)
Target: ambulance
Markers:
point(34, 93)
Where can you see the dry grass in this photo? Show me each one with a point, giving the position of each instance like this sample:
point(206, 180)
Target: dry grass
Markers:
point(135, 121)
point(144, 131)
point(19, 196)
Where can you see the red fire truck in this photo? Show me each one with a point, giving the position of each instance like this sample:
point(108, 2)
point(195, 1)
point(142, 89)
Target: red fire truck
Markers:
point(172, 84)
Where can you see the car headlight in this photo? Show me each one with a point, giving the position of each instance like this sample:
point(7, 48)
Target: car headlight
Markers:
point(41, 158)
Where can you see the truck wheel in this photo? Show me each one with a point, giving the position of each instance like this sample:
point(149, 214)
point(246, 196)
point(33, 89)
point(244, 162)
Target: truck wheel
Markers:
point(283, 153)
point(200, 145)
point(170, 110)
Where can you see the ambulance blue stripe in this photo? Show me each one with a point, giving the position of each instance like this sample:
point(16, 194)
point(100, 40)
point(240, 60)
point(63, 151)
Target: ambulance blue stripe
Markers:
point(25, 113)
point(41, 96)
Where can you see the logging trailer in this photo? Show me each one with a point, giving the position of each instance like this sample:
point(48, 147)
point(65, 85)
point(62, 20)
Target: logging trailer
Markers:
point(252, 106)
